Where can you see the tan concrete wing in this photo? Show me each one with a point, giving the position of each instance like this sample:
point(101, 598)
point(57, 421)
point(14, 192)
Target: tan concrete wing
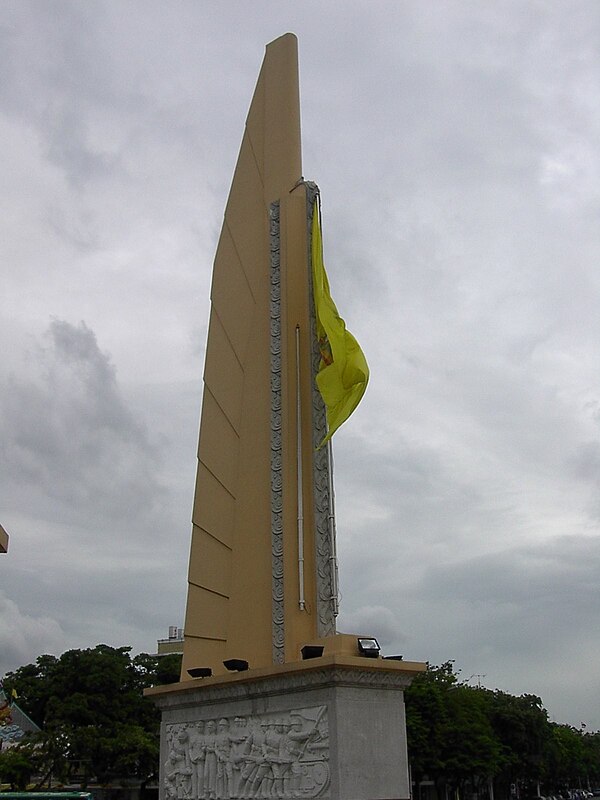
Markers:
point(3, 540)
point(231, 611)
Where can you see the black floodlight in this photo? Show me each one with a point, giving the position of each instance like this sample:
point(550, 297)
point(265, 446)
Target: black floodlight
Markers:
point(311, 651)
point(236, 665)
point(368, 647)
point(393, 658)
point(200, 672)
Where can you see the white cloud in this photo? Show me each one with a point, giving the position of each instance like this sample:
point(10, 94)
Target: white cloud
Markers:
point(377, 621)
point(22, 634)
point(457, 153)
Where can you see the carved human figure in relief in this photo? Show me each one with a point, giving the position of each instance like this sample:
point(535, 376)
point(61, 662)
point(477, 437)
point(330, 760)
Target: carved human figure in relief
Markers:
point(210, 761)
point(197, 759)
point(318, 744)
point(285, 759)
point(273, 780)
point(181, 770)
point(254, 769)
point(224, 767)
point(171, 775)
point(297, 738)
point(237, 736)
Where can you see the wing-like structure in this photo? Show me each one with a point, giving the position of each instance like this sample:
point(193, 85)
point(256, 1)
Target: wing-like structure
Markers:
point(261, 580)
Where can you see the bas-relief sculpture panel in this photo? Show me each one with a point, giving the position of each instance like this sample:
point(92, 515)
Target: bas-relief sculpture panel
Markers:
point(272, 755)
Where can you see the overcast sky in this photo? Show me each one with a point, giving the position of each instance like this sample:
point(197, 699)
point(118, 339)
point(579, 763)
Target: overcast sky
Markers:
point(456, 145)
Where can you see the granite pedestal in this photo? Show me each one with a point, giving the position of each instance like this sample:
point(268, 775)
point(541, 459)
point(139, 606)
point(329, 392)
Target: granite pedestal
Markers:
point(331, 727)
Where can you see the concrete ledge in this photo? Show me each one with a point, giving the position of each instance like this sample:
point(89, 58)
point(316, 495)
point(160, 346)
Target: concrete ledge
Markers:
point(370, 669)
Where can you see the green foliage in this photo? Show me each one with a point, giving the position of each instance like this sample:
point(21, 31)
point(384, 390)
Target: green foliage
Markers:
point(15, 768)
point(95, 721)
point(96, 725)
point(427, 718)
point(470, 745)
point(450, 735)
point(567, 756)
point(459, 733)
point(521, 725)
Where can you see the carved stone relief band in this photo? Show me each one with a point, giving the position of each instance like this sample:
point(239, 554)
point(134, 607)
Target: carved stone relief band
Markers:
point(282, 755)
point(276, 438)
point(326, 603)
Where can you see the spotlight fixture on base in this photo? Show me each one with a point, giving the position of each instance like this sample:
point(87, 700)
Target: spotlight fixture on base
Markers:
point(236, 664)
point(368, 647)
point(200, 672)
point(311, 651)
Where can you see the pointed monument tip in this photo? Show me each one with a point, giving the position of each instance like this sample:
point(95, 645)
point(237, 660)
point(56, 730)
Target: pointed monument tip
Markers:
point(291, 37)
point(3, 540)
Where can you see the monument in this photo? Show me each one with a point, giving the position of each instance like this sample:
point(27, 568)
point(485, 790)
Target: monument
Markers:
point(272, 701)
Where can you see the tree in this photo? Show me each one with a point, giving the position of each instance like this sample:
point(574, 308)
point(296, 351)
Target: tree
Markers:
point(591, 747)
point(450, 737)
point(471, 750)
point(95, 721)
point(566, 762)
point(461, 735)
point(426, 718)
point(522, 728)
point(15, 768)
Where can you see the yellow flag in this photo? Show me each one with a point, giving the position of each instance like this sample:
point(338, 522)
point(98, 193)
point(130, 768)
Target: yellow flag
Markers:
point(343, 372)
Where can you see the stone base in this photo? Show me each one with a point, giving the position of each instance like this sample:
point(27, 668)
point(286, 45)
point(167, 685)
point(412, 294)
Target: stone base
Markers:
point(331, 727)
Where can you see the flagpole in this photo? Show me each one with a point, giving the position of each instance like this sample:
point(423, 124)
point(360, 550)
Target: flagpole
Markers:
point(300, 521)
point(332, 533)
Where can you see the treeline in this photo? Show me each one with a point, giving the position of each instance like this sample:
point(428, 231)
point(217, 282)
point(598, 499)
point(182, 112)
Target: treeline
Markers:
point(491, 743)
point(97, 727)
point(96, 724)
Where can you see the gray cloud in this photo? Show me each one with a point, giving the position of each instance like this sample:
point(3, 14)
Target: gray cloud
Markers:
point(87, 495)
point(67, 434)
point(22, 634)
point(457, 153)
